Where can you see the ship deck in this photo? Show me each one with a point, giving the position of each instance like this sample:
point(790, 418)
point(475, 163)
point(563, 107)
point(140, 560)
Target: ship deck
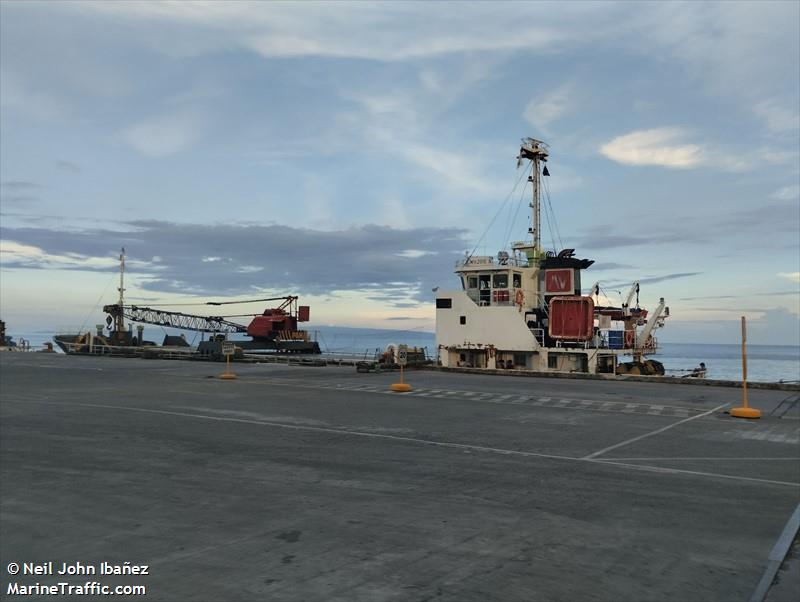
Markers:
point(318, 483)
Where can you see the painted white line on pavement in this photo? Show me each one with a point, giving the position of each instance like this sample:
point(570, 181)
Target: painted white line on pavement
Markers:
point(682, 458)
point(663, 470)
point(434, 443)
point(651, 433)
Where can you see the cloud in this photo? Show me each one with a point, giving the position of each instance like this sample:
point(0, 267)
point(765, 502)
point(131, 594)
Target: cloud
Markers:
point(732, 309)
point(28, 99)
point(775, 326)
point(18, 192)
point(457, 170)
point(610, 265)
point(658, 146)
point(767, 294)
point(397, 120)
point(67, 165)
point(707, 297)
point(543, 110)
point(164, 135)
point(414, 253)
point(740, 50)
point(778, 117)
point(777, 216)
point(777, 293)
point(787, 193)
point(14, 254)
point(19, 199)
point(18, 185)
point(385, 31)
point(604, 236)
point(670, 147)
point(791, 276)
point(653, 279)
point(235, 259)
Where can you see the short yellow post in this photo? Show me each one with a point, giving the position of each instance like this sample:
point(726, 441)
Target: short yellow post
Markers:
point(402, 359)
point(745, 411)
point(228, 349)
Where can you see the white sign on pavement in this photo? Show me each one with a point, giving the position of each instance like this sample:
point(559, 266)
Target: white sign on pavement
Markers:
point(402, 354)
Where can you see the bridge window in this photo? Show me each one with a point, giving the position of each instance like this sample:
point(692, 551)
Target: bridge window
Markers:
point(485, 293)
point(500, 281)
point(444, 303)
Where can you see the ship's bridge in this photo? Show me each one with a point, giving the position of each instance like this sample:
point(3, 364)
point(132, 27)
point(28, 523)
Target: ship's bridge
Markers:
point(489, 281)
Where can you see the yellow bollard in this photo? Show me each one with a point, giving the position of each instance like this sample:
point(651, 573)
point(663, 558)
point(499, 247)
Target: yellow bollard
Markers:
point(745, 411)
point(401, 387)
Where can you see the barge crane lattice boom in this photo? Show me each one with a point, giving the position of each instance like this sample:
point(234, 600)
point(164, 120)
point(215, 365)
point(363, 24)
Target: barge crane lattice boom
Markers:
point(184, 321)
point(174, 319)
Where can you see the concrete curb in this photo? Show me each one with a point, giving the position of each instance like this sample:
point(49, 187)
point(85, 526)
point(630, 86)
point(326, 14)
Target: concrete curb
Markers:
point(776, 557)
point(631, 378)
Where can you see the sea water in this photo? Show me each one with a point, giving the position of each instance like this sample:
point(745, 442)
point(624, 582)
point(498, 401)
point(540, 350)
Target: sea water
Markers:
point(765, 363)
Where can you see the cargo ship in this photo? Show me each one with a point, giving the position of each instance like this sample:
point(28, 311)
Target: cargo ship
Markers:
point(275, 330)
point(524, 307)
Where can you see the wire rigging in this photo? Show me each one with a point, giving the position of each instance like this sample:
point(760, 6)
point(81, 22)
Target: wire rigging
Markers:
point(512, 220)
point(555, 221)
point(550, 227)
point(499, 210)
point(214, 302)
point(97, 304)
point(513, 214)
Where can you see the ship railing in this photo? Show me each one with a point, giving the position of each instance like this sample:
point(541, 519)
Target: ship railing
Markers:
point(579, 344)
point(97, 348)
point(485, 302)
point(538, 334)
point(20, 344)
point(25, 346)
point(650, 345)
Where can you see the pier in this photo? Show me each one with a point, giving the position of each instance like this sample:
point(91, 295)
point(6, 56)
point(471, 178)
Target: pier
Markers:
point(311, 483)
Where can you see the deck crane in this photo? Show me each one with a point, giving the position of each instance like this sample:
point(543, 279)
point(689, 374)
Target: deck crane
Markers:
point(626, 306)
point(656, 320)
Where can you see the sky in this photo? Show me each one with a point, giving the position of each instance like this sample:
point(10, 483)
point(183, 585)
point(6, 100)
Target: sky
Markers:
point(351, 153)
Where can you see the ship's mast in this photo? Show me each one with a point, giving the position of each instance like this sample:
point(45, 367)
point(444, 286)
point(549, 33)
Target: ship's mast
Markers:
point(536, 152)
point(536, 206)
point(119, 318)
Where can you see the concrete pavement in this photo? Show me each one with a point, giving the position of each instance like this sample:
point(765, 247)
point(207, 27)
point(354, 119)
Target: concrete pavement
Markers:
point(318, 484)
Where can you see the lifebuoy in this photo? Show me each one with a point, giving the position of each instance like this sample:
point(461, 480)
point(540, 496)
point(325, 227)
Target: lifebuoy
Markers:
point(519, 298)
point(630, 339)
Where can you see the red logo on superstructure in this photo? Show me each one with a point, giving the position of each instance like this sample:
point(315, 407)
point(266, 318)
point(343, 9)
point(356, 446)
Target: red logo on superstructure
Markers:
point(558, 282)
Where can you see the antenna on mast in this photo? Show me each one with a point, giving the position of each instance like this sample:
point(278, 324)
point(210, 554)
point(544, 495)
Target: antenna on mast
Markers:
point(537, 153)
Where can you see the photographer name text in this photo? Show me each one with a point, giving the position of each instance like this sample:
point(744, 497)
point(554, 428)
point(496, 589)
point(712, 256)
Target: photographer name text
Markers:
point(79, 568)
